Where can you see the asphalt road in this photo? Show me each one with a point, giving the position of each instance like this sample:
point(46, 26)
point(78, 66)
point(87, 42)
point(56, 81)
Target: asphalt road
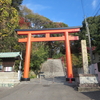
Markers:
point(46, 89)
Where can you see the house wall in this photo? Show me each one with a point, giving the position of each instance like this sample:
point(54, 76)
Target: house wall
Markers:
point(8, 62)
point(96, 57)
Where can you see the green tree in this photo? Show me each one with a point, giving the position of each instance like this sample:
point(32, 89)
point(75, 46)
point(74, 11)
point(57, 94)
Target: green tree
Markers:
point(56, 48)
point(51, 24)
point(38, 56)
point(8, 18)
point(77, 60)
point(94, 27)
point(37, 21)
point(10, 44)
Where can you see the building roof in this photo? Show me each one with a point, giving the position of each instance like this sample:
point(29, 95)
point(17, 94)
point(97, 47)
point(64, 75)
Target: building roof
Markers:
point(10, 55)
point(62, 28)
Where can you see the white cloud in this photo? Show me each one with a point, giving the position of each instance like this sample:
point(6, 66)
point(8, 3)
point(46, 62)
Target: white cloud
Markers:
point(37, 7)
point(94, 3)
point(56, 20)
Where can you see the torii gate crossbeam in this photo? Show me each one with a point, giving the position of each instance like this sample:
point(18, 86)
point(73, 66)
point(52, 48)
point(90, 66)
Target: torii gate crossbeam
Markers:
point(66, 37)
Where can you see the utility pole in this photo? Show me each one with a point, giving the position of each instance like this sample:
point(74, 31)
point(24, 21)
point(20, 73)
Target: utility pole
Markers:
point(88, 34)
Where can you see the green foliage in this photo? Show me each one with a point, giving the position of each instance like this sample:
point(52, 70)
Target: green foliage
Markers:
point(16, 67)
point(51, 24)
point(5, 2)
point(39, 55)
point(94, 27)
point(32, 74)
point(77, 60)
point(10, 44)
point(58, 55)
point(8, 18)
point(37, 21)
point(56, 48)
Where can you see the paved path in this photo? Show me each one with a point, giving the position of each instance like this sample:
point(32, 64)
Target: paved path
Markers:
point(45, 89)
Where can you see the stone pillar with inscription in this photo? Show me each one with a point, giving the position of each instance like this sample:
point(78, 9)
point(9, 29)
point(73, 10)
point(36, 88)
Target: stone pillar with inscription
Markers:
point(84, 57)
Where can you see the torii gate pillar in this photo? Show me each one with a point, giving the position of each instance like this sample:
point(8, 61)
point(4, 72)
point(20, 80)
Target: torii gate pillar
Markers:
point(27, 59)
point(68, 58)
point(65, 37)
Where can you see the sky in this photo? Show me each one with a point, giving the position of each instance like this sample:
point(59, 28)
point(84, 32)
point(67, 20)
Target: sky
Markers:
point(69, 12)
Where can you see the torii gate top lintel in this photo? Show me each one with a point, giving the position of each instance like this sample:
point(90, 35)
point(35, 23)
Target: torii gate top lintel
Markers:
point(48, 30)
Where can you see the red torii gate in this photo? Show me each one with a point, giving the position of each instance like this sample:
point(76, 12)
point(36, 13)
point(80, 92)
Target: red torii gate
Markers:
point(66, 37)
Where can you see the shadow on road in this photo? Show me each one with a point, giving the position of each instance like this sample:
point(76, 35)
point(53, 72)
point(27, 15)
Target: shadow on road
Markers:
point(93, 95)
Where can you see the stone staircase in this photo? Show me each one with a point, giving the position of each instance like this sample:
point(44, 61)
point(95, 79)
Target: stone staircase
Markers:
point(53, 68)
point(8, 79)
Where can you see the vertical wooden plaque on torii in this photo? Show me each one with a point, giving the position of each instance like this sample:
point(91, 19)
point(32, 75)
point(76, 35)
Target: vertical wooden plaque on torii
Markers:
point(66, 31)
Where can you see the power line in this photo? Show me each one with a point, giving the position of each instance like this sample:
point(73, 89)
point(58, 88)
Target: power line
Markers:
point(97, 12)
point(96, 9)
point(82, 7)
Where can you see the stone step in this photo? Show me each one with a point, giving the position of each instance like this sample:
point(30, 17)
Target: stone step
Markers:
point(8, 74)
point(53, 68)
point(9, 80)
point(55, 74)
point(8, 84)
point(8, 77)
